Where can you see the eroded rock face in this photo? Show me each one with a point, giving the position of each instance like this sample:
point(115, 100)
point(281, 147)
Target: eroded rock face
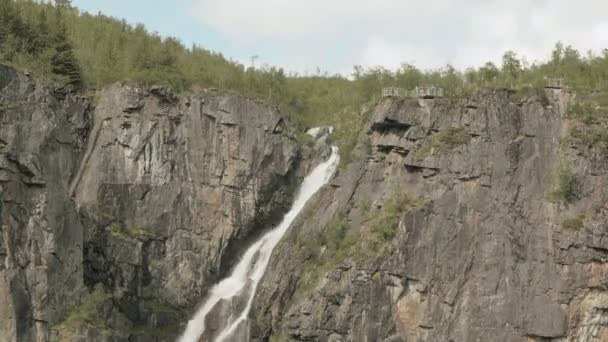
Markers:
point(41, 237)
point(480, 253)
point(133, 207)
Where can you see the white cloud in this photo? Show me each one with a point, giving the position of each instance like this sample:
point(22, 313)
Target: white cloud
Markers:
point(381, 52)
point(336, 34)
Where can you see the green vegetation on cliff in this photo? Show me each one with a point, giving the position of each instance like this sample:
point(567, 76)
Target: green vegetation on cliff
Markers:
point(88, 312)
point(444, 140)
point(574, 223)
point(95, 311)
point(385, 222)
point(35, 36)
point(339, 242)
point(126, 232)
point(567, 186)
point(94, 50)
point(589, 116)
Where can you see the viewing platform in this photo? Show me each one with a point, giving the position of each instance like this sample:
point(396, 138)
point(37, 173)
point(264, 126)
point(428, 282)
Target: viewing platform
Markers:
point(393, 91)
point(428, 92)
point(423, 92)
point(554, 83)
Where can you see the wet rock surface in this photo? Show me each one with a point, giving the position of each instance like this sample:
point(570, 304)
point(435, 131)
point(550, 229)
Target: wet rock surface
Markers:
point(480, 253)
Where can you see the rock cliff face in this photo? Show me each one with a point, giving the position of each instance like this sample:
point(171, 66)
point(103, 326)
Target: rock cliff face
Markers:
point(41, 240)
point(459, 220)
point(117, 217)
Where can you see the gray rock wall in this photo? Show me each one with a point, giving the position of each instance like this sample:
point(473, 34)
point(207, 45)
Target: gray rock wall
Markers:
point(479, 253)
point(118, 216)
point(41, 135)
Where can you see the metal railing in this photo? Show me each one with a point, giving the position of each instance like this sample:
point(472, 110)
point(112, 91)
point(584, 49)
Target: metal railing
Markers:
point(554, 83)
point(425, 92)
point(392, 91)
point(428, 92)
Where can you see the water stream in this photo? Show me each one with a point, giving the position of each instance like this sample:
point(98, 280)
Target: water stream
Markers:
point(244, 279)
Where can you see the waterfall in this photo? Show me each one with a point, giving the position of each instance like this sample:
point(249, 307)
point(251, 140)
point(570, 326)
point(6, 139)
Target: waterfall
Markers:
point(245, 277)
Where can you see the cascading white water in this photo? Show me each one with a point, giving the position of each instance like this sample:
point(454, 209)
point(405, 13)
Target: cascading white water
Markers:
point(252, 266)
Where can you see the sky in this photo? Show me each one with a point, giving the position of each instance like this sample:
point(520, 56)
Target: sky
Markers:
point(335, 35)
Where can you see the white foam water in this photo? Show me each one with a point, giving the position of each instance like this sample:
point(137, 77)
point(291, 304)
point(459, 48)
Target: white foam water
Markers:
point(251, 267)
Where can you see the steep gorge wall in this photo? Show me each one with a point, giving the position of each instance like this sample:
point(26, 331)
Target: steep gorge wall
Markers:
point(444, 229)
point(41, 240)
point(117, 217)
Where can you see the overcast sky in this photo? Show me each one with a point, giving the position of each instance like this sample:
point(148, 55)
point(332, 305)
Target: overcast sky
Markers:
point(334, 35)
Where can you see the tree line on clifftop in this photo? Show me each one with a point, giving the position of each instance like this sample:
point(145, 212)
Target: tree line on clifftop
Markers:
point(88, 51)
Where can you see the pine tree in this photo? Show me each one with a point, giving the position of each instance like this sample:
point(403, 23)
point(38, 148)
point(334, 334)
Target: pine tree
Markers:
point(63, 62)
point(63, 3)
point(511, 66)
point(41, 40)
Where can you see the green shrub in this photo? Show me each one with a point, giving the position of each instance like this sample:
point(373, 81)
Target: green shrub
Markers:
point(88, 311)
point(567, 186)
point(364, 207)
point(602, 101)
point(324, 250)
point(574, 223)
point(335, 235)
point(304, 138)
point(531, 91)
point(385, 223)
point(590, 126)
point(590, 135)
point(424, 150)
point(444, 140)
point(582, 110)
point(453, 137)
point(130, 232)
point(338, 240)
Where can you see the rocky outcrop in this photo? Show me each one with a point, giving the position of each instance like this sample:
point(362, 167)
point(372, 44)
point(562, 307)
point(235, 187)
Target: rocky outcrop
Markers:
point(118, 215)
point(41, 135)
point(449, 226)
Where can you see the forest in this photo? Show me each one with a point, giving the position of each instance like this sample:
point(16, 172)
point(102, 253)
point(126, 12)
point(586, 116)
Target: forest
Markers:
point(60, 43)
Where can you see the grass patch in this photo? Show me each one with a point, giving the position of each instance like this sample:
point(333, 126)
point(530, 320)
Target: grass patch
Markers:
point(590, 126)
point(348, 123)
point(537, 92)
point(304, 138)
point(277, 337)
point(424, 150)
point(444, 140)
point(583, 111)
point(364, 207)
point(127, 232)
point(567, 186)
point(590, 135)
point(573, 223)
point(453, 137)
point(323, 251)
point(156, 332)
point(384, 224)
point(88, 312)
